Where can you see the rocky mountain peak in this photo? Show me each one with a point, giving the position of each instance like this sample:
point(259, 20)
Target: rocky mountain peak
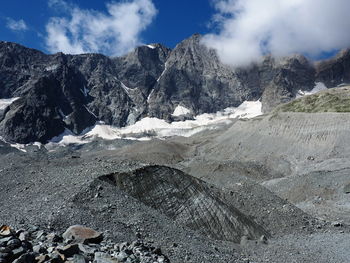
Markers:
point(334, 71)
point(152, 80)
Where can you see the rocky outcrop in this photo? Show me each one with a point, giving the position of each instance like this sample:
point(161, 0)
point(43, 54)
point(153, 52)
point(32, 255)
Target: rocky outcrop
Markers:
point(187, 200)
point(281, 79)
point(196, 79)
point(334, 71)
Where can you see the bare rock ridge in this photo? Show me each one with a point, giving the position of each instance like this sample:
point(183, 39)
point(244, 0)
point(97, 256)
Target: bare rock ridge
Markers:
point(78, 90)
point(187, 200)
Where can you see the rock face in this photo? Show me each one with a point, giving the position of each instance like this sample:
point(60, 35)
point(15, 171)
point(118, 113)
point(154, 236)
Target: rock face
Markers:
point(195, 78)
point(335, 71)
point(281, 79)
point(72, 92)
point(187, 200)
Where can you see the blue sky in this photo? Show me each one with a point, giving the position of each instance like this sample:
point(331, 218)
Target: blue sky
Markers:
point(175, 20)
point(241, 31)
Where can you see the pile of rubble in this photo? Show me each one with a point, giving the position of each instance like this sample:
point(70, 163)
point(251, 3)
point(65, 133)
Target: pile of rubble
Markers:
point(77, 244)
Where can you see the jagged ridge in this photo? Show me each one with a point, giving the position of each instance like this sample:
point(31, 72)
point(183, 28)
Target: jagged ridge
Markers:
point(78, 90)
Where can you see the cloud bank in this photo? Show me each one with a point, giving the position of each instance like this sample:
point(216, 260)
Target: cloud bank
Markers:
point(15, 25)
point(88, 31)
point(249, 29)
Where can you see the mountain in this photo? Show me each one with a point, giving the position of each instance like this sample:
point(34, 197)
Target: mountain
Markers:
point(72, 92)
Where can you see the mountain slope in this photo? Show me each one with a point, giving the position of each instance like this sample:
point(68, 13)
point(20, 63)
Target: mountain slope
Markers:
point(150, 81)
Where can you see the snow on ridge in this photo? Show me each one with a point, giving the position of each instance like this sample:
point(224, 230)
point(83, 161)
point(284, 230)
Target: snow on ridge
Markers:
point(149, 95)
point(6, 102)
point(151, 46)
point(165, 68)
point(319, 86)
point(180, 110)
point(127, 89)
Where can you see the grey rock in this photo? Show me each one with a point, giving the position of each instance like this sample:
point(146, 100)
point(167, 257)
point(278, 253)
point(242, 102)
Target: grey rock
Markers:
point(54, 238)
point(337, 224)
point(14, 243)
point(56, 259)
point(122, 256)
point(79, 259)
point(39, 249)
point(40, 234)
point(25, 258)
point(86, 249)
point(104, 258)
point(5, 250)
point(6, 255)
point(23, 235)
point(6, 239)
point(69, 250)
point(18, 251)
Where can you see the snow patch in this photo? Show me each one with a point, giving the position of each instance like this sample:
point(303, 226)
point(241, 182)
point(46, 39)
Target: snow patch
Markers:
point(66, 138)
point(180, 110)
point(52, 67)
point(85, 91)
point(7, 102)
point(151, 46)
point(19, 146)
point(149, 95)
point(148, 127)
point(165, 68)
point(62, 114)
point(127, 89)
point(89, 111)
point(319, 86)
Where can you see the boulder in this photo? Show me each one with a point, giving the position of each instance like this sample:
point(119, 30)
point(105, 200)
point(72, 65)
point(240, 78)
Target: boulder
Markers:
point(81, 234)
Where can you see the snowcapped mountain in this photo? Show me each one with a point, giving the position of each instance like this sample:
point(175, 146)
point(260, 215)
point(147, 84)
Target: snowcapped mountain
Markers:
point(59, 93)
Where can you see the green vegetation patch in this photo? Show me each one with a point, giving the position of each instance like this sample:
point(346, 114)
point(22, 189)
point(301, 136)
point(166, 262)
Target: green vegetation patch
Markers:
point(332, 100)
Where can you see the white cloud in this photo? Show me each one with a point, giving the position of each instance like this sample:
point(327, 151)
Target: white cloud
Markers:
point(111, 33)
point(15, 25)
point(249, 29)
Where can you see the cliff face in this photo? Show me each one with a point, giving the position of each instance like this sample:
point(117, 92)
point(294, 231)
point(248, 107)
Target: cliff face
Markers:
point(72, 92)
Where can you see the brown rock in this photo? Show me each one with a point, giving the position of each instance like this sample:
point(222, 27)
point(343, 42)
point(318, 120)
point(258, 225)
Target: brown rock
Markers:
point(5, 231)
point(42, 258)
point(81, 234)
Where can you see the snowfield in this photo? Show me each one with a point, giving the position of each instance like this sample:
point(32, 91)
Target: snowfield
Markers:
point(319, 86)
point(148, 128)
point(6, 102)
point(180, 110)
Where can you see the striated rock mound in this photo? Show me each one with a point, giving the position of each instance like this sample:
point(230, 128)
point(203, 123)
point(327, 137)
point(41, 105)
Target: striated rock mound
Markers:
point(187, 200)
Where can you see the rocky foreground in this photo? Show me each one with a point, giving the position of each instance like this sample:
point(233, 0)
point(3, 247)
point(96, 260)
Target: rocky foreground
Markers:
point(270, 189)
point(77, 244)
